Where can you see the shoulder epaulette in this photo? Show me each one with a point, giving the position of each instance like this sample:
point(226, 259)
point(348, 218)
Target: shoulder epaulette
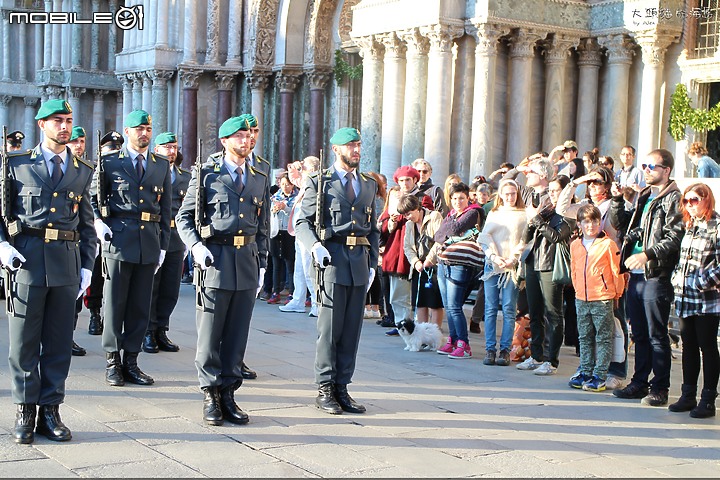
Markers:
point(181, 170)
point(367, 177)
point(84, 162)
point(161, 157)
point(261, 159)
point(17, 153)
point(216, 154)
point(255, 170)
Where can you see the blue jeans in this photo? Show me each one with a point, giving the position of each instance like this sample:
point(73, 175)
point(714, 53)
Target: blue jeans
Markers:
point(454, 281)
point(495, 296)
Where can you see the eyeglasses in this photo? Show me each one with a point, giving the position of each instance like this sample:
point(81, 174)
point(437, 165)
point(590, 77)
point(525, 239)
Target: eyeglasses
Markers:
point(652, 167)
point(692, 201)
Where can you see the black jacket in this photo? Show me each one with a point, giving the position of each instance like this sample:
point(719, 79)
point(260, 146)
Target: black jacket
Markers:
point(543, 233)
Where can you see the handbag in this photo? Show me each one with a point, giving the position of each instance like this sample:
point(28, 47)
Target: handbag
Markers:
point(464, 252)
point(618, 350)
point(561, 269)
point(274, 225)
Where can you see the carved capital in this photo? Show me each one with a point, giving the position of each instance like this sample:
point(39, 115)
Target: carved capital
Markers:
point(522, 44)
point(589, 52)
point(654, 46)
point(370, 47)
point(75, 92)
point(126, 81)
point(394, 46)
point(99, 95)
point(53, 92)
point(287, 81)
point(558, 48)
point(30, 101)
point(5, 100)
point(258, 81)
point(620, 49)
point(487, 36)
point(190, 78)
point(161, 77)
point(225, 81)
point(417, 45)
point(317, 78)
point(441, 36)
point(146, 79)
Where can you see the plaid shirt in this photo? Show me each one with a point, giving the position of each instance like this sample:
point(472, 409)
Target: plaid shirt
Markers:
point(696, 279)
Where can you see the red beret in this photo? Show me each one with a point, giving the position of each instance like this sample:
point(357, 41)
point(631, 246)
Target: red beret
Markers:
point(406, 171)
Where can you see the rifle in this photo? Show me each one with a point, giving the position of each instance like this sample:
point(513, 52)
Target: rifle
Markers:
point(102, 199)
point(206, 231)
point(320, 208)
point(12, 226)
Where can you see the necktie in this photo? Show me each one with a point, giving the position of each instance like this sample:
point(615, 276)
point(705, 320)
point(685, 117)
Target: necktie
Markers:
point(349, 190)
point(57, 173)
point(139, 166)
point(239, 180)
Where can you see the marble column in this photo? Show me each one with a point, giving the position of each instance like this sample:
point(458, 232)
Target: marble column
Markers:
point(74, 94)
point(160, 99)
point(164, 12)
point(126, 81)
point(95, 40)
point(225, 85)
point(439, 96)
point(147, 100)
point(112, 40)
point(556, 52)
point(235, 22)
point(287, 82)
point(393, 104)
point(212, 57)
point(371, 51)
point(30, 129)
point(6, 56)
point(589, 61)
point(522, 53)
point(23, 51)
point(619, 52)
point(5, 110)
point(137, 88)
point(76, 53)
point(653, 46)
point(57, 44)
point(48, 39)
point(318, 79)
point(119, 110)
point(481, 143)
point(98, 121)
point(189, 39)
point(416, 75)
point(191, 80)
point(39, 34)
point(258, 82)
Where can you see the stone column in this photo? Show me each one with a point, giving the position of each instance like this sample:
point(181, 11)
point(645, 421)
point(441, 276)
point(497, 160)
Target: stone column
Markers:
point(23, 51)
point(30, 122)
point(189, 40)
point(57, 45)
point(589, 61)
point(556, 53)
point(234, 54)
point(393, 104)
point(653, 46)
point(95, 42)
point(6, 46)
point(164, 13)
point(147, 100)
point(212, 57)
point(191, 81)
point(39, 48)
point(126, 81)
point(74, 94)
point(76, 52)
point(287, 82)
point(4, 110)
point(119, 110)
point(318, 79)
point(112, 40)
point(48, 39)
point(98, 120)
point(137, 87)
point(371, 52)
point(160, 99)
point(225, 86)
point(619, 52)
point(416, 75)
point(481, 142)
point(258, 82)
point(522, 52)
point(439, 97)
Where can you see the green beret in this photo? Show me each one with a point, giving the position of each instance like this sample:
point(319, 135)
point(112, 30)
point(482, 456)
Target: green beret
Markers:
point(77, 132)
point(52, 107)
point(165, 137)
point(232, 125)
point(138, 117)
point(345, 136)
point(251, 119)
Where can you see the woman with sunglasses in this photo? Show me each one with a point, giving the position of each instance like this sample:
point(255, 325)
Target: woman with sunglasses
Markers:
point(697, 301)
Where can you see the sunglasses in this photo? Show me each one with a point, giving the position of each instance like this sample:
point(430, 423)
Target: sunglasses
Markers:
point(652, 167)
point(596, 182)
point(423, 171)
point(693, 202)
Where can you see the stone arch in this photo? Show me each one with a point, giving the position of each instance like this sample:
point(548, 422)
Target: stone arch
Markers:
point(320, 28)
point(263, 15)
point(291, 29)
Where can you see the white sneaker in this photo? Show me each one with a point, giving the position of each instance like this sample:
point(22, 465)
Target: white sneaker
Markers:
point(613, 383)
point(545, 368)
point(292, 308)
point(313, 311)
point(529, 364)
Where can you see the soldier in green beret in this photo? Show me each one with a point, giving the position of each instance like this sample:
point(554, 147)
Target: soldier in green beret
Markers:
point(47, 246)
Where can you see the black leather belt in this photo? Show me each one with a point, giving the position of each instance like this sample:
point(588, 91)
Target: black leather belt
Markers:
point(142, 216)
point(234, 240)
point(51, 233)
point(349, 240)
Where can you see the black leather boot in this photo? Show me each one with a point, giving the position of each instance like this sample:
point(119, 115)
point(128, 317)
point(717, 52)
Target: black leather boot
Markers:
point(131, 371)
point(212, 413)
point(706, 405)
point(24, 431)
point(248, 374)
point(687, 400)
point(77, 350)
point(325, 400)
point(113, 370)
point(50, 424)
point(345, 401)
point(164, 343)
point(149, 344)
point(95, 327)
point(230, 410)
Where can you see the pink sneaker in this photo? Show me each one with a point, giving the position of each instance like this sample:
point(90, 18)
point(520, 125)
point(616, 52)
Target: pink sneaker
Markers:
point(447, 348)
point(462, 350)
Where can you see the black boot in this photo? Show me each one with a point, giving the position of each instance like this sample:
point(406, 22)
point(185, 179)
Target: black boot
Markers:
point(50, 424)
point(345, 401)
point(77, 350)
point(230, 410)
point(247, 374)
point(325, 400)
point(132, 372)
point(113, 370)
point(706, 405)
point(95, 327)
point(687, 400)
point(212, 414)
point(24, 431)
point(149, 344)
point(164, 343)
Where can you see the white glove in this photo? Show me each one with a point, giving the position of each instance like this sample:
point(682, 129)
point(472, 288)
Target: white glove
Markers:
point(200, 253)
point(372, 279)
point(102, 231)
point(85, 277)
point(261, 277)
point(321, 255)
point(8, 254)
point(160, 260)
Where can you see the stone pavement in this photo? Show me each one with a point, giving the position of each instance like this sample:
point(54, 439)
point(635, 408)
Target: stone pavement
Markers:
point(428, 416)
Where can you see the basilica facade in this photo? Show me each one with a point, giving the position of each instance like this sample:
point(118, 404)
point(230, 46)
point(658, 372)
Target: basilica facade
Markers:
point(466, 84)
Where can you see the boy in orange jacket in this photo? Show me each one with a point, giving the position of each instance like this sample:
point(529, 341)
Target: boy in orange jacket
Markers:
point(595, 273)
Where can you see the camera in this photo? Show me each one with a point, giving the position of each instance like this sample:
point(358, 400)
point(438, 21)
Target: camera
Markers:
point(634, 235)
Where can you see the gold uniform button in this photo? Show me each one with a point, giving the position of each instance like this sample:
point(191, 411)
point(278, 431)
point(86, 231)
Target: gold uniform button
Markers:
point(242, 216)
point(351, 247)
point(352, 208)
point(239, 231)
point(353, 222)
point(142, 201)
point(55, 194)
point(141, 187)
point(142, 227)
point(47, 241)
point(52, 209)
point(50, 225)
point(242, 200)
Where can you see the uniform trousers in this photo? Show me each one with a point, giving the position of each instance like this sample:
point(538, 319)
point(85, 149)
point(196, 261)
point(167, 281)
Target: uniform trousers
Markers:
point(40, 337)
point(166, 288)
point(128, 293)
point(222, 322)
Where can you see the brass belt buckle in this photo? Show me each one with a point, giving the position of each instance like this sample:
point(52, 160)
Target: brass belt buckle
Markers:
point(239, 241)
point(352, 241)
point(145, 216)
point(51, 233)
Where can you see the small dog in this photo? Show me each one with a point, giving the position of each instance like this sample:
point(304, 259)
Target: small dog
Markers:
point(420, 336)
